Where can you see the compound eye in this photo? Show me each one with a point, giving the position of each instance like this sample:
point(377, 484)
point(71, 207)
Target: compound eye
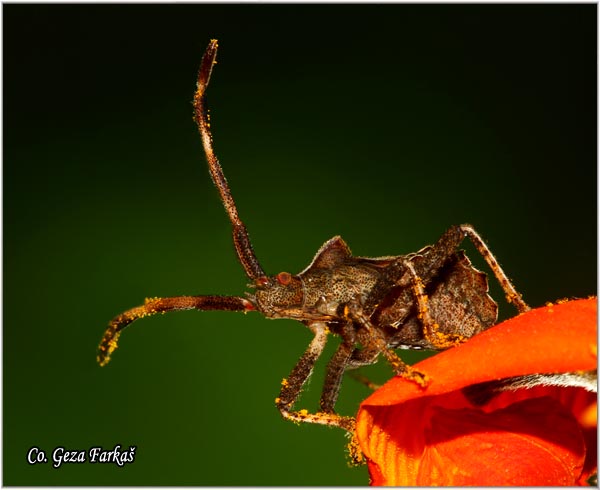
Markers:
point(284, 278)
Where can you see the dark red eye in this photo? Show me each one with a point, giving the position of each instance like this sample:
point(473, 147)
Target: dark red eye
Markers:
point(284, 278)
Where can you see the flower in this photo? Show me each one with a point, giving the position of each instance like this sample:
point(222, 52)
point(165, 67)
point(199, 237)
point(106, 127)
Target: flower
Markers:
point(453, 433)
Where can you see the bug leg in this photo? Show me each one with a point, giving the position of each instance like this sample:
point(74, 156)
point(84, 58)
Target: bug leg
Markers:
point(336, 367)
point(292, 386)
point(433, 335)
point(448, 243)
point(375, 342)
point(512, 295)
point(363, 357)
point(152, 306)
point(364, 380)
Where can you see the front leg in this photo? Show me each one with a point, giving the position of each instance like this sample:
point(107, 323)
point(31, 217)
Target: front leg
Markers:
point(292, 386)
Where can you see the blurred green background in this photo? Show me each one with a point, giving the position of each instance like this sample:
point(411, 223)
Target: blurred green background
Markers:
point(384, 124)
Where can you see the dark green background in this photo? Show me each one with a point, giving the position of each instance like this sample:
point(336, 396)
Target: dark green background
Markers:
point(384, 124)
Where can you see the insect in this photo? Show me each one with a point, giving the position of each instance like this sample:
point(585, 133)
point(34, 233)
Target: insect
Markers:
point(431, 299)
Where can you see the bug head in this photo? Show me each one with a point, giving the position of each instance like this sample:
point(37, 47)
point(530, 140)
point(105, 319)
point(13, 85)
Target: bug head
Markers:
point(279, 296)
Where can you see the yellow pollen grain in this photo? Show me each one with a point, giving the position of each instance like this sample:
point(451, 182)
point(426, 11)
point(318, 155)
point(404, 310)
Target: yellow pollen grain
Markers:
point(284, 382)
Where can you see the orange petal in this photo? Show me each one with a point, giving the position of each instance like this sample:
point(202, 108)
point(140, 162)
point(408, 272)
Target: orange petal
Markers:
point(434, 436)
point(533, 442)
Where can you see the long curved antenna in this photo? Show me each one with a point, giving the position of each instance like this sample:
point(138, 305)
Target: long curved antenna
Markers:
point(241, 241)
point(153, 306)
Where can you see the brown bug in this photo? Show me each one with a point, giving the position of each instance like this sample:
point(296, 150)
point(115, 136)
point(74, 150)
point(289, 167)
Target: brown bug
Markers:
point(431, 299)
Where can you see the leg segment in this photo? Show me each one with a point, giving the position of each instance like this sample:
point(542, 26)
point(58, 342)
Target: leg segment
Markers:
point(436, 338)
point(377, 343)
point(292, 386)
point(364, 357)
point(449, 242)
point(335, 369)
point(512, 295)
point(364, 380)
point(161, 305)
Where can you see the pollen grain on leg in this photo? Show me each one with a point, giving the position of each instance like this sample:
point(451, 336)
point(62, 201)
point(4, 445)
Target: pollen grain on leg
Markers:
point(107, 346)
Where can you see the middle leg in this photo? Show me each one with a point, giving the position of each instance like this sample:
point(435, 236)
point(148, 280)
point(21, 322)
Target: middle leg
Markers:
point(292, 386)
point(374, 342)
